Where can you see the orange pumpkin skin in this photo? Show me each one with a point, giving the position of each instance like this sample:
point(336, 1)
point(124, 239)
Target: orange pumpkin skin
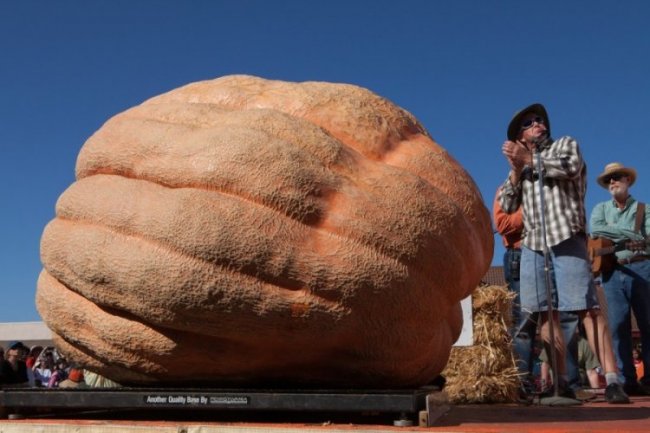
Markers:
point(245, 231)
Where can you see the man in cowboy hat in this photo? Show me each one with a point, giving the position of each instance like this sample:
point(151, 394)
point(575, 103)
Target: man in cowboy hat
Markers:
point(558, 227)
point(524, 323)
point(627, 286)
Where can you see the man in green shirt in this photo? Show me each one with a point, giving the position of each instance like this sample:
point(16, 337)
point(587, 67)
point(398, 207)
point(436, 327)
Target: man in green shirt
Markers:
point(627, 286)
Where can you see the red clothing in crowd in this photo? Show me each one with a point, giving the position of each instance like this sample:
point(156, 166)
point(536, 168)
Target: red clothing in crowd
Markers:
point(509, 226)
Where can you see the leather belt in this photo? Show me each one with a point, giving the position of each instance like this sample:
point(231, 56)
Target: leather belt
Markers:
point(633, 260)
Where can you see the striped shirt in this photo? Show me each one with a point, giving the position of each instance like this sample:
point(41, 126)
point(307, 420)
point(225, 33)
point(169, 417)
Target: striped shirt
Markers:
point(564, 175)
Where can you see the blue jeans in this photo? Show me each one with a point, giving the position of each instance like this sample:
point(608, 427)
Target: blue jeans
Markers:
point(569, 322)
point(573, 288)
point(628, 287)
point(524, 324)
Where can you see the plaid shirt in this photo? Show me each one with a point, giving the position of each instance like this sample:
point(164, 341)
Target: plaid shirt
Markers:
point(564, 174)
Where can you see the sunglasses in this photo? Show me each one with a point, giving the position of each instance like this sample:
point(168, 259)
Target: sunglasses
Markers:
point(616, 177)
point(531, 121)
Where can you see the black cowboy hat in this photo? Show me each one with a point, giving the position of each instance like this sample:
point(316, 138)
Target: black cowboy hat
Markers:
point(515, 123)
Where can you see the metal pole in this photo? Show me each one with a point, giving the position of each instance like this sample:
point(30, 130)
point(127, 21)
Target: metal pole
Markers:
point(556, 400)
point(547, 273)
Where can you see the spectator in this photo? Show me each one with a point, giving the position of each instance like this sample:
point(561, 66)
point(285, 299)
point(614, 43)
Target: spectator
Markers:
point(13, 370)
point(626, 222)
point(95, 380)
point(75, 379)
point(638, 363)
point(44, 367)
point(33, 355)
point(59, 374)
point(587, 363)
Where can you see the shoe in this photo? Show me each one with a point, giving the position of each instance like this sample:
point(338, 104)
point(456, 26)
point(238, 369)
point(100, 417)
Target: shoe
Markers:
point(636, 389)
point(580, 394)
point(614, 394)
point(527, 387)
point(525, 398)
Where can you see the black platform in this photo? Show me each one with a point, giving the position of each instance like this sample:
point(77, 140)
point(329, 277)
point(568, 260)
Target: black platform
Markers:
point(407, 402)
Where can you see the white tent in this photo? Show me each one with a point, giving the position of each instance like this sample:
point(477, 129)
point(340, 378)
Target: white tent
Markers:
point(29, 333)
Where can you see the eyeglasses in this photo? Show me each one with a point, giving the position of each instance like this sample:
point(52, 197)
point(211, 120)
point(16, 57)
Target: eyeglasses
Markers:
point(531, 121)
point(614, 177)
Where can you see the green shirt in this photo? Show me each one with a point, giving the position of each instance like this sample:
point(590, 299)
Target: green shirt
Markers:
point(587, 360)
point(608, 221)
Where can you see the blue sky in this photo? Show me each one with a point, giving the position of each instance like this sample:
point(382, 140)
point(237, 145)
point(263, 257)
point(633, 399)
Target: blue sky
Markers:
point(461, 67)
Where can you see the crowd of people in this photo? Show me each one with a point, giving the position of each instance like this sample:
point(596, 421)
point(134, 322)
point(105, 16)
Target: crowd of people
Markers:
point(540, 212)
point(21, 366)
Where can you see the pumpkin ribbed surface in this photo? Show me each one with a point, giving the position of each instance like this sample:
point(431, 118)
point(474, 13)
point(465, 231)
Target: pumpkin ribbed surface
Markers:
point(247, 231)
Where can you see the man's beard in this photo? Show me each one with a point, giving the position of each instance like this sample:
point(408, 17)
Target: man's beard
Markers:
point(620, 192)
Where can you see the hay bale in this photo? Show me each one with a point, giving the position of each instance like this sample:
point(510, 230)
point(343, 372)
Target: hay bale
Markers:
point(485, 372)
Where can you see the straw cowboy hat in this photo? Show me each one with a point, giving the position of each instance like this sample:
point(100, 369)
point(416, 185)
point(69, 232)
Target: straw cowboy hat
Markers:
point(515, 123)
point(613, 168)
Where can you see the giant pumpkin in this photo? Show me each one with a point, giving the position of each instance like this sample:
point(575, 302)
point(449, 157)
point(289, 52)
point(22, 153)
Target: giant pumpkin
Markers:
point(241, 231)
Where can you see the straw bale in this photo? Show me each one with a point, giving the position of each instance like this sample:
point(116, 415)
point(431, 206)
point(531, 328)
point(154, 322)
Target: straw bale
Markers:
point(485, 372)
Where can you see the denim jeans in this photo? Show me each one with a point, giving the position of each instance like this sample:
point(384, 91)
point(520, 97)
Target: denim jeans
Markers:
point(573, 286)
point(524, 325)
point(628, 287)
point(569, 322)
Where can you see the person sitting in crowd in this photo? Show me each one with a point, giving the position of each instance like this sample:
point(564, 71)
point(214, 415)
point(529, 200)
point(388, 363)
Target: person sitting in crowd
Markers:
point(588, 364)
point(34, 353)
point(60, 372)
point(96, 380)
point(638, 363)
point(75, 379)
point(13, 370)
point(44, 367)
point(48, 369)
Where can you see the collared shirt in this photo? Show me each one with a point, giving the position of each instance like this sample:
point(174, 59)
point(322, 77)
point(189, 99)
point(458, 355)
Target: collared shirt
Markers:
point(509, 226)
point(609, 221)
point(564, 178)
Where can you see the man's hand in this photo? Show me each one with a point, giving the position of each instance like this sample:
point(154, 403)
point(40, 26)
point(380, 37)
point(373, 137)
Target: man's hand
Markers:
point(517, 155)
point(636, 246)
